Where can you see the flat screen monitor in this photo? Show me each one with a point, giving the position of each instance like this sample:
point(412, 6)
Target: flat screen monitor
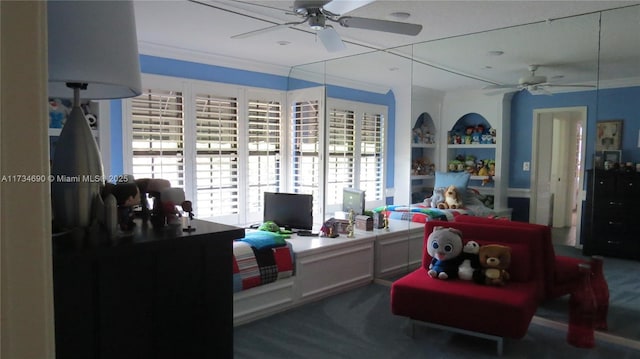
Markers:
point(289, 210)
point(353, 199)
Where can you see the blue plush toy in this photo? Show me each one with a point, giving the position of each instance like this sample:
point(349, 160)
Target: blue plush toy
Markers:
point(444, 246)
point(437, 197)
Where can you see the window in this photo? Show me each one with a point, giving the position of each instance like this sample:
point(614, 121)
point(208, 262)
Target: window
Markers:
point(227, 145)
point(157, 142)
point(355, 153)
point(264, 146)
point(372, 156)
point(217, 186)
point(341, 153)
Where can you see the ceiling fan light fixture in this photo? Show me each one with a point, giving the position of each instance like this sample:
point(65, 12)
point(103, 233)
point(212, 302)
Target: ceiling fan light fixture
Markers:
point(317, 21)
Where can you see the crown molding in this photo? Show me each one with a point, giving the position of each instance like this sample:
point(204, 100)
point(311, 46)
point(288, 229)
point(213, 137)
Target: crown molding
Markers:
point(153, 49)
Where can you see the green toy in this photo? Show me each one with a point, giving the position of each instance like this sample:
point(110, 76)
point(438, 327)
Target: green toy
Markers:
point(271, 226)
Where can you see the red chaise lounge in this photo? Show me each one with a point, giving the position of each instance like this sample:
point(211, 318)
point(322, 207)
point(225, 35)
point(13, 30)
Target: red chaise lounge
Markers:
point(464, 306)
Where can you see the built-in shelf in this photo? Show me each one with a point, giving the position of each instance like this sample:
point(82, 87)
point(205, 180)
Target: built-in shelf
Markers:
point(422, 177)
point(423, 145)
point(480, 145)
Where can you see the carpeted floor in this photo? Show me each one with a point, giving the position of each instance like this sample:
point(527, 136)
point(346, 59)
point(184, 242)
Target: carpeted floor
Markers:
point(359, 324)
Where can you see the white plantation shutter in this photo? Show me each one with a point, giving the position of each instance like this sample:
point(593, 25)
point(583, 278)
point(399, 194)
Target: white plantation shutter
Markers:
point(226, 146)
point(372, 155)
point(157, 119)
point(355, 152)
point(305, 150)
point(341, 153)
point(216, 155)
point(264, 152)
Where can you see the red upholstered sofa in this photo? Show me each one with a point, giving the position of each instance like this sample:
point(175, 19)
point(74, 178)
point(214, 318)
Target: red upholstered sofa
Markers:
point(561, 272)
point(475, 309)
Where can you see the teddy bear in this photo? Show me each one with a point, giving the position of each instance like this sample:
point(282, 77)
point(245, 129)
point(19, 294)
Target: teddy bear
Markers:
point(452, 199)
point(444, 245)
point(494, 260)
point(470, 261)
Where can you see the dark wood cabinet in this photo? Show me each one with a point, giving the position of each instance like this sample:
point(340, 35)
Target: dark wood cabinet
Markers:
point(162, 293)
point(611, 222)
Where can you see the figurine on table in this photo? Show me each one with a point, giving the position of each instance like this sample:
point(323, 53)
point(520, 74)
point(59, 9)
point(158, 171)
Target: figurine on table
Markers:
point(187, 207)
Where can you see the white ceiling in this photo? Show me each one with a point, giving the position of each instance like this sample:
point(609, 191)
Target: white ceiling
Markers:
point(564, 45)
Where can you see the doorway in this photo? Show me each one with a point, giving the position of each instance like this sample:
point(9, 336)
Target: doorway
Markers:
point(557, 171)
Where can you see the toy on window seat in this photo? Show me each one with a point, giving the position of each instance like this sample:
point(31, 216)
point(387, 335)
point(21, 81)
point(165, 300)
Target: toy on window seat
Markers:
point(452, 199)
point(436, 198)
point(444, 246)
point(494, 259)
point(271, 226)
point(470, 261)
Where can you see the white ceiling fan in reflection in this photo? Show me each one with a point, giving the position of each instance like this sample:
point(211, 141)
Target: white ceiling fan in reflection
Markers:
point(533, 83)
point(320, 14)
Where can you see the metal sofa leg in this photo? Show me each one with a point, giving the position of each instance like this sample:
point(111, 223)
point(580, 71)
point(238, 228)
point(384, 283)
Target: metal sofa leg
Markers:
point(499, 340)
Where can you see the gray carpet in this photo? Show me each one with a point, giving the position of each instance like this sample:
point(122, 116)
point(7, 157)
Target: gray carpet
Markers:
point(359, 324)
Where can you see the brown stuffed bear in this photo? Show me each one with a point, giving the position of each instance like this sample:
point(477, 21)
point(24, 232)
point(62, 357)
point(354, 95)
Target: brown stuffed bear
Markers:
point(494, 260)
point(452, 199)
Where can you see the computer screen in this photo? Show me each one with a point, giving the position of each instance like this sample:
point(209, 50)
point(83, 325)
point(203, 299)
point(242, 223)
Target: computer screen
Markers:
point(289, 210)
point(353, 199)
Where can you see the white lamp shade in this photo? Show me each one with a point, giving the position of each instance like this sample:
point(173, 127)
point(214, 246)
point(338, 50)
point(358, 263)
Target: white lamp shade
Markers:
point(93, 42)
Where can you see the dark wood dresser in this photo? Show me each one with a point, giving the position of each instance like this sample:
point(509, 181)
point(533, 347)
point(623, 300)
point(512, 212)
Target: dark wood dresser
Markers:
point(162, 293)
point(611, 220)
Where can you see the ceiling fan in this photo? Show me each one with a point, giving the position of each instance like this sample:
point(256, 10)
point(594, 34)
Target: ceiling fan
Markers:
point(533, 83)
point(318, 14)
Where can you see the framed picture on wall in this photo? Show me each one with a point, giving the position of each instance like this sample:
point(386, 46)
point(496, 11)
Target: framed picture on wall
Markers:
point(608, 135)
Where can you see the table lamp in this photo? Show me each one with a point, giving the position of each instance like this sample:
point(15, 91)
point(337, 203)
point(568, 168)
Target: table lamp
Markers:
point(93, 54)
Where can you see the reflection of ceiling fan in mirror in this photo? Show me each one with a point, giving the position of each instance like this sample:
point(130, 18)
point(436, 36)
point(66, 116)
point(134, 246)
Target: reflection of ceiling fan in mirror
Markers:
point(318, 14)
point(533, 83)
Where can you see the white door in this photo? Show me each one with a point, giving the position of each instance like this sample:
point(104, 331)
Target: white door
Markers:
point(556, 168)
point(562, 164)
point(543, 192)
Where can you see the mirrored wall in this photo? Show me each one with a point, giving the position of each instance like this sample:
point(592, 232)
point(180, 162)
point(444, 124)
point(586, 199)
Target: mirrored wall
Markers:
point(504, 84)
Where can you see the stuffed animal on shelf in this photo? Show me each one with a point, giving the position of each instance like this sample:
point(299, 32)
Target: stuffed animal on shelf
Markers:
point(470, 260)
point(452, 199)
point(444, 245)
point(494, 259)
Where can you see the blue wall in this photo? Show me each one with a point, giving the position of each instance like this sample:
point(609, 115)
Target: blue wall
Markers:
point(605, 104)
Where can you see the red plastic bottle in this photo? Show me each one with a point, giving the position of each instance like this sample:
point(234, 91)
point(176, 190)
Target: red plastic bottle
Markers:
point(600, 291)
point(582, 309)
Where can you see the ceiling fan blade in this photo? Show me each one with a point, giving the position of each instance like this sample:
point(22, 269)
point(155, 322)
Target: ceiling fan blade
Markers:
point(341, 7)
point(568, 85)
point(539, 90)
point(380, 25)
point(492, 87)
point(244, 35)
point(331, 39)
